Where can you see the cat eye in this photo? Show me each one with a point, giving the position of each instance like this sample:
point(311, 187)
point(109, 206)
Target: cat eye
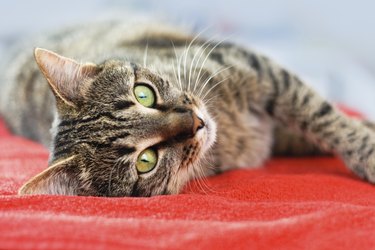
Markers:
point(144, 95)
point(146, 161)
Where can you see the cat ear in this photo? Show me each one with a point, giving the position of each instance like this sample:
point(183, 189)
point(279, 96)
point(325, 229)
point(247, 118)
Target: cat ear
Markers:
point(66, 77)
point(58, 179)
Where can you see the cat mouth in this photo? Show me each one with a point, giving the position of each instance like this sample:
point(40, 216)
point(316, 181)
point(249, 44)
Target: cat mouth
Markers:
point(206, 135)
point(210, 134)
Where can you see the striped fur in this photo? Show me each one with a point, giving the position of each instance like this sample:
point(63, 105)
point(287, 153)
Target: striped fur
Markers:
point(250, 104)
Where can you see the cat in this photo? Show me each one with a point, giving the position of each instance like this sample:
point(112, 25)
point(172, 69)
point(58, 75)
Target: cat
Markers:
point(155, 107)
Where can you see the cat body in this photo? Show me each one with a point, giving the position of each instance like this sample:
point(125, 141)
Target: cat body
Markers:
point(215, 106)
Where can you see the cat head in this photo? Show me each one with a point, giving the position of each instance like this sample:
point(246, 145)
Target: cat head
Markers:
point(120, 130)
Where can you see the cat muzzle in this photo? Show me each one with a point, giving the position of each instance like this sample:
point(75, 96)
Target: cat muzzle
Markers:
point(182, 125)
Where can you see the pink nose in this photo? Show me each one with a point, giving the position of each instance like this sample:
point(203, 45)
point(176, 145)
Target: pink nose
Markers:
point(198, 123)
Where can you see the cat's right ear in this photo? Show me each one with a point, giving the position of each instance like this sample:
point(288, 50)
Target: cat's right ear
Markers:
point(67, 78)
point(58, 179)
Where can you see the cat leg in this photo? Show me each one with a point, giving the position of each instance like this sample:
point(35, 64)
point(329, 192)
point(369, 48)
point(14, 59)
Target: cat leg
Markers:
point(295, 105)
point(288, 142)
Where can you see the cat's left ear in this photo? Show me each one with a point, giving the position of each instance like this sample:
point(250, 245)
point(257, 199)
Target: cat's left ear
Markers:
point(67, 78)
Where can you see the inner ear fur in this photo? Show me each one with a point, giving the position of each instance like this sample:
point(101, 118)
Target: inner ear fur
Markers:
point(58, 179)
point(67, 78)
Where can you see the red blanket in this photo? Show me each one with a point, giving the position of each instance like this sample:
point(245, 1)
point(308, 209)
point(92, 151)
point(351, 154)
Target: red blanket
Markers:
point(290, 203)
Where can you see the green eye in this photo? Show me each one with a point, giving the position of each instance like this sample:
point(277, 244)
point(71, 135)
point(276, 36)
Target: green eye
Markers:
point(145, 95)
point(146, 161)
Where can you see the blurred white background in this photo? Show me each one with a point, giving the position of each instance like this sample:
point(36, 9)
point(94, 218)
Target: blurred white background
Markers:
point(329, 43)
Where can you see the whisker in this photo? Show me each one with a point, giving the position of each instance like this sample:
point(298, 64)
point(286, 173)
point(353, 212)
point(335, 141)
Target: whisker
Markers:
point(175, 74)
point(177, 63)
point(212, 76)
point(198, 177)
point(207, 44)
point(214, 86)
point(145, 56)
point(189, 187)
point(204, 177)
point(179, 68)
point(199, 52)
point(200, 180)
point(207, 56)
point(208, 101)
point(187, 51)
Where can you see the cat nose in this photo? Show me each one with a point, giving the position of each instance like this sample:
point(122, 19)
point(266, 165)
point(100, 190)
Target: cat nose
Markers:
point(198, 123)
point(180, 124)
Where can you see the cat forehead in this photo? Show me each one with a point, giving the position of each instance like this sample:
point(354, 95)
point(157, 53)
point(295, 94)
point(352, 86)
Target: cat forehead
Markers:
point(119, 78)
point(138, 73)
point(118, 68)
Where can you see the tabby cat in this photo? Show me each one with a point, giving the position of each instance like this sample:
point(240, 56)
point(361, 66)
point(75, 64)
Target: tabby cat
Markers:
point(156, 107)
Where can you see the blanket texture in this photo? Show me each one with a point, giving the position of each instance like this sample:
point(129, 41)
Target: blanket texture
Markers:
point(290, 203)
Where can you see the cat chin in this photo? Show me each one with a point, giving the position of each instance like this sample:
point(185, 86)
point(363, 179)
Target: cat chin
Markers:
point(210, 134)
point(208, 138)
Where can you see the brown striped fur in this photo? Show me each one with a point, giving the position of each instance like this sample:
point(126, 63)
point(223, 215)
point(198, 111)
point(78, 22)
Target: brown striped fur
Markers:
point(252, 106)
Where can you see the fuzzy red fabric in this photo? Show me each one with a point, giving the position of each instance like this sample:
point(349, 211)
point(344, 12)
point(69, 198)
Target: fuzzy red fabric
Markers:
point(292, 203)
